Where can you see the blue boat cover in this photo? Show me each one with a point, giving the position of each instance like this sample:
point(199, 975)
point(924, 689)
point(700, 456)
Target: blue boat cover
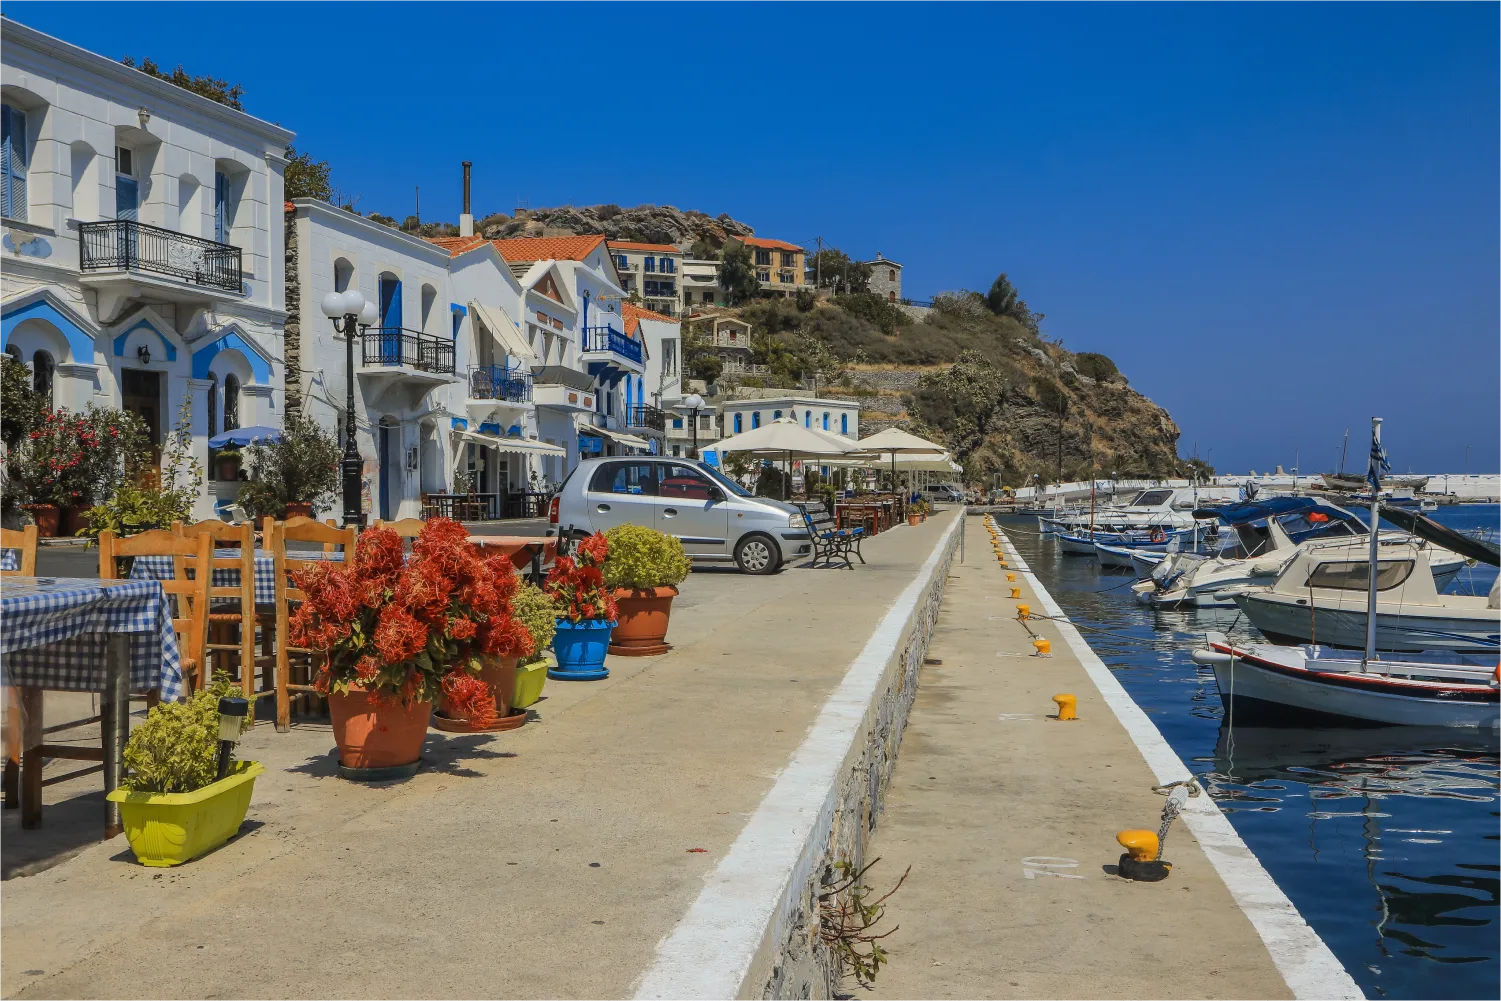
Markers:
point(240, 437)
point(1239, 514)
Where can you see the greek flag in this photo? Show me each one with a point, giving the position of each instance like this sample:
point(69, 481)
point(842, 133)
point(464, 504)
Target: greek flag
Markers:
point(1378, 465)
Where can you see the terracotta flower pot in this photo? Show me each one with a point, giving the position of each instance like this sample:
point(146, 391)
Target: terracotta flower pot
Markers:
point(46, 517)
point(380, 737)
point(641, 630)
point(299, 509)
point(499, 673)
point(229, 469)
point(914, 520)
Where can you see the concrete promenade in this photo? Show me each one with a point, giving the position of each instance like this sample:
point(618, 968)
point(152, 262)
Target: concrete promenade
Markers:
point(1008, 820)
point(546, 862)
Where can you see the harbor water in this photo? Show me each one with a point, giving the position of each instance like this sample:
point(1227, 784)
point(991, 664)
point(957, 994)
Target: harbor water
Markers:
point(1386, 839)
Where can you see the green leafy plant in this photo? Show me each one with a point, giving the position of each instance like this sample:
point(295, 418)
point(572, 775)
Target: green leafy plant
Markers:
point(22, 408)
point(177, 748)
point(642, 557)
point(534, 609)
point(846, 915)
point(139, 504)
point(302, 466)
point(76, 459)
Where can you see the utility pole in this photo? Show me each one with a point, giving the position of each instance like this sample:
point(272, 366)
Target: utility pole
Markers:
point(1062, 412)
point(818, 264)
point(419, 208)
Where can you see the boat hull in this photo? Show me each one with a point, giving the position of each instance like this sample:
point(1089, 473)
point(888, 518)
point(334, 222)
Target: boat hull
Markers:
point(1282, 620)
point(1263, 691)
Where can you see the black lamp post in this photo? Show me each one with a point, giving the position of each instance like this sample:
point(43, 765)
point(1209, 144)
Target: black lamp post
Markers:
point(350, 313)
point(695, 403)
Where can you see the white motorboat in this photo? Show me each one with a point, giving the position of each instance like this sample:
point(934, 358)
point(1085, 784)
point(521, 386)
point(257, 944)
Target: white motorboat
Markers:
point(1294, 684)
point(1320, 596)
point(1159, 507)
point(1270, 532)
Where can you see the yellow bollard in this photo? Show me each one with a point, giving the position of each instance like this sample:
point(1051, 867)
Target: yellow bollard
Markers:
point(1016, 592)
point(1140, 845)
point(1044, 648)
point(1011, 577)
point(1067, 704)
point(1022, 611)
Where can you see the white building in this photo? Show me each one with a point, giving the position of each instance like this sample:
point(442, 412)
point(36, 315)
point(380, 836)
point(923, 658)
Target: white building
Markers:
point(700, 284)
point(142, 243)
point(835, 416)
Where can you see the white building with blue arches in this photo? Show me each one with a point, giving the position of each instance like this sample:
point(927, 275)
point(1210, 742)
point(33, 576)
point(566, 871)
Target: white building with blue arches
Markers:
point(142, 259)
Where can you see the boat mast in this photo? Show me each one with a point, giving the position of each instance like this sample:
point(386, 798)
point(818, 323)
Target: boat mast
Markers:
point(1090, 432)
point(1343, 449)
point(1374, 476)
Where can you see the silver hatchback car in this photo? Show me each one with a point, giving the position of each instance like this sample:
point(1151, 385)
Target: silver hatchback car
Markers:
point(717, 519)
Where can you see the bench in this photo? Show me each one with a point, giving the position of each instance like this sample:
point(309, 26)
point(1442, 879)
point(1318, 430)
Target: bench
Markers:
point(829, 543)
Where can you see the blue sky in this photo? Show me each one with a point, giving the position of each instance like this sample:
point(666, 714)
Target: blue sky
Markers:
point(1278, 219)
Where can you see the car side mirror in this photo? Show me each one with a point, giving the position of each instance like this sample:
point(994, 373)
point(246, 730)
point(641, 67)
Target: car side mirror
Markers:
point(716, 495)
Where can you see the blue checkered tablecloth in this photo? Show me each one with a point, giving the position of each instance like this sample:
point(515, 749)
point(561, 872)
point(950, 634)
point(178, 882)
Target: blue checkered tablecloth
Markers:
point(54, 631)
point(160, 568)
point(10, 559)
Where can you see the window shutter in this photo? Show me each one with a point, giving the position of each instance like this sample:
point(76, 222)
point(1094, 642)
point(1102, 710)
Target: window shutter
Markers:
point(13, 189)
point(127, 198)
point(221, 207)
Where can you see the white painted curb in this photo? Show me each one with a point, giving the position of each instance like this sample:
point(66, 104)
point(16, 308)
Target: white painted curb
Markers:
point(755, 888)
point(1304, 961)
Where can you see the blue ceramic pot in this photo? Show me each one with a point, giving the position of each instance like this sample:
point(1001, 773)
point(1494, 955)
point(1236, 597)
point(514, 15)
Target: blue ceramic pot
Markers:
point(580, 648)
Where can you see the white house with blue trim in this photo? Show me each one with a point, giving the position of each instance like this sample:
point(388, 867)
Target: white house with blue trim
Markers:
point(141, 242)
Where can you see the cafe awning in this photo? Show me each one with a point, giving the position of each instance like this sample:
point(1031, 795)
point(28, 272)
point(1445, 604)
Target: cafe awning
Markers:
point(505, 331)
point(515, 446)
point(619, 437)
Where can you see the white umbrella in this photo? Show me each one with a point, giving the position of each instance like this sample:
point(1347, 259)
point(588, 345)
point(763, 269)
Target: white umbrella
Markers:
point(894, 441)
point(785, 438)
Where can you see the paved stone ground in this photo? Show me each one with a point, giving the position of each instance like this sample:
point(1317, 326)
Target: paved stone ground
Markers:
point(545, 862)
point(985, 780)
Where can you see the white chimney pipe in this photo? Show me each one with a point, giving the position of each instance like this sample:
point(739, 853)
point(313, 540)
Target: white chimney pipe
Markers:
point(466, 220)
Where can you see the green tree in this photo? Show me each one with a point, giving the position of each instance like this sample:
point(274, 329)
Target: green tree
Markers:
point(1201, 469)
point(737, 273)
point(1003, 300)
point(834, 269)
point(302, 466)
point(210, 87)
point(21, 406)
point(306, 177)
point(703, 250)
point(965, 401)
point(706, 366)
point(1096, 366)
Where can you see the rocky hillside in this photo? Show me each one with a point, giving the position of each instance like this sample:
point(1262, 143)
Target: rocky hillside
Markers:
point(644, 223)
point(987, 386)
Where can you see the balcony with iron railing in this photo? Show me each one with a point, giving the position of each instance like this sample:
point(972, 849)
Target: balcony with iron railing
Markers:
point(127, 245)
point(645, 416)
point(400, 348)
point(496, 382)
point(606, 339)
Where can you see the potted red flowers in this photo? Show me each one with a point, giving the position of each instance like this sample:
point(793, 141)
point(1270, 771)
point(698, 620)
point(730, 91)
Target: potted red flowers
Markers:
point(586, 611)
point(400, 634)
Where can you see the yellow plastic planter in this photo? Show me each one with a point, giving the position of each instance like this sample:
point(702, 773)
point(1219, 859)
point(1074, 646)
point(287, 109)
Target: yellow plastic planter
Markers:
point(170, 828)
point(529, 681)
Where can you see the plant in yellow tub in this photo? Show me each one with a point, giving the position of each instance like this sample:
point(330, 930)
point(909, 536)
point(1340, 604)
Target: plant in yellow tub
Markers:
point(173, 804)
point(534, 608)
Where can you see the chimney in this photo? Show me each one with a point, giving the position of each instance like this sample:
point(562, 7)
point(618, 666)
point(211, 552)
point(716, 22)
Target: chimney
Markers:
point(466, 220)
point(878, 255)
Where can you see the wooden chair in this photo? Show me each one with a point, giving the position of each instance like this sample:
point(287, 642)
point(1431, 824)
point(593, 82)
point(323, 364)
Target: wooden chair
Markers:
point(287, 657)
point(189, 593)
point(407, 528)
point(23, 540)
point(231, 607)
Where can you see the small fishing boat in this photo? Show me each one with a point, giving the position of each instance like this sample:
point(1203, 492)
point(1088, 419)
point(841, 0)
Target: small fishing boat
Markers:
point(1288, 684)
point(1310, 684)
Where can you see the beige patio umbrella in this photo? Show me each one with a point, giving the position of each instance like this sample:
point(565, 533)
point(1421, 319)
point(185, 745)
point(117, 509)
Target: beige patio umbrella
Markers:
point(895, 441)
point(786, 439)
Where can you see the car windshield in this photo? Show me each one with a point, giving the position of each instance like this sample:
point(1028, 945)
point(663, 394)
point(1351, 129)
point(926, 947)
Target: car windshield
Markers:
point(722, 479)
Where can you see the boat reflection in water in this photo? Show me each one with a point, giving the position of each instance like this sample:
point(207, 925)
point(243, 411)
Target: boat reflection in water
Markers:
point(1403, 799)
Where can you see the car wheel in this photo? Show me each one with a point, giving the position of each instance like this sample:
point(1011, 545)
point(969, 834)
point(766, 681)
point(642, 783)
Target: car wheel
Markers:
point(757, 554)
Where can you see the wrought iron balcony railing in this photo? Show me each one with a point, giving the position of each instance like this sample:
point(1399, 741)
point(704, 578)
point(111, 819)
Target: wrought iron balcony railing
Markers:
point(645, 416)
point(496, 382)
point(126, 245)
point(612, 340)
point(397, 346)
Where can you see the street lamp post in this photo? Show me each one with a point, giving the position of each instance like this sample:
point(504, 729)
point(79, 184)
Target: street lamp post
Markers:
point(350, 313)
point(695, 403)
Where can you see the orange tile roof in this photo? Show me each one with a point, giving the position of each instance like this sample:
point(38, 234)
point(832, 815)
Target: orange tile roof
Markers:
point(756, 241)
point(526, 248)
point(661, 248)
point(634, 314)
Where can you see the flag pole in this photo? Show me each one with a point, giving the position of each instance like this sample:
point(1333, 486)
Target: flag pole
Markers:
point(1373, 476)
